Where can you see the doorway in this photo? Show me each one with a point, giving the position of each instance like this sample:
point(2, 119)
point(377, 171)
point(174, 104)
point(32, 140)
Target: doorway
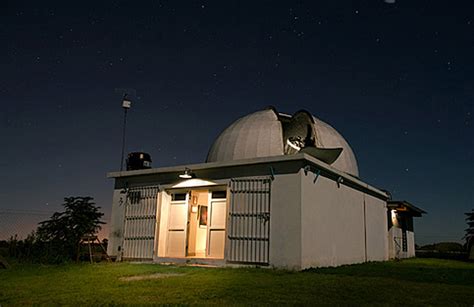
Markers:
point(196, 223)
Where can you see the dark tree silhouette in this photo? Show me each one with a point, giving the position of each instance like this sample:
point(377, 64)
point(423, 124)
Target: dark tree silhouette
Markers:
point(470, 230)
point(63, 231)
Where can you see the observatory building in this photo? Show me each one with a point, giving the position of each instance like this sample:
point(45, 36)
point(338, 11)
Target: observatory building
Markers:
point(276, 190)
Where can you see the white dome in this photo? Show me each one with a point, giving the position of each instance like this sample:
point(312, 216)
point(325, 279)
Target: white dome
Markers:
point(261, 134)
point(329, 138)
point(256, 135)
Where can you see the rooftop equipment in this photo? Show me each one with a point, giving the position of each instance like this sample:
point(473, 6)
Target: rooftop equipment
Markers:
point(138, 160)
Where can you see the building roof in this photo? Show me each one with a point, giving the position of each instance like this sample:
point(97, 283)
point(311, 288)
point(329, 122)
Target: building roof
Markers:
point(282, 164)
point(404, 206)
point(265, 133)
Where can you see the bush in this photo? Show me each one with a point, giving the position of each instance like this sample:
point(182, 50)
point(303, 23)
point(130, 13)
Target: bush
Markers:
point(442, 250)
point(57, 240)
point(444, 247)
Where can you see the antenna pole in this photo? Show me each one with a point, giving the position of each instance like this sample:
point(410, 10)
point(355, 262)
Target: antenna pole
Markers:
point(126, 104)
point(123, 136)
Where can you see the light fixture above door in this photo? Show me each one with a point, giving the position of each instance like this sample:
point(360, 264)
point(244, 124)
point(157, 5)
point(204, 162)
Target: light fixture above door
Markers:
point(187, 174)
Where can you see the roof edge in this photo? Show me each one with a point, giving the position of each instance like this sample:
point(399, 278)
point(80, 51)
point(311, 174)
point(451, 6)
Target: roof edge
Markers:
point(333, 172)
point(393, 204)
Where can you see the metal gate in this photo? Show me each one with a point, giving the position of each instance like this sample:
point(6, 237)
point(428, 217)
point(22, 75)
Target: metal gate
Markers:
point(249, 220)
point(140, 222)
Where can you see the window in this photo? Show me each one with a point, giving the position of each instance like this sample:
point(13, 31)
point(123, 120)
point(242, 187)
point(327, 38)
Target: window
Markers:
point(219, 194)
point(178, 196)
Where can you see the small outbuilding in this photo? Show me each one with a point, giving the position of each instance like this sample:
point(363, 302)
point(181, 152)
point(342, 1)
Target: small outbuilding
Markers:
point(276, 190)
point(400, 228)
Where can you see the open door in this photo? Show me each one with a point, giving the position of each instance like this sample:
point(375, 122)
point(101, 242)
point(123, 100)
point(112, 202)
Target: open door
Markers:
point(177, 226)
point(249, 220)
point(140, 222)
point(216, 228)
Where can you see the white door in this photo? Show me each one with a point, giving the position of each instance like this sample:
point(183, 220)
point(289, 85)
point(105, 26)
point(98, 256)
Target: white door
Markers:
point(177, 228)
point(161, 237)
point(216, 228)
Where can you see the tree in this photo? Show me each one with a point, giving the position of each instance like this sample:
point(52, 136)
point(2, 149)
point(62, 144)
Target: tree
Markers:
point(470, 230)
point(62, 233)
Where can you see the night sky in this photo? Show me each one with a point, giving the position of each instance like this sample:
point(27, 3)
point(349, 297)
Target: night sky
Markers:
point(396, 80)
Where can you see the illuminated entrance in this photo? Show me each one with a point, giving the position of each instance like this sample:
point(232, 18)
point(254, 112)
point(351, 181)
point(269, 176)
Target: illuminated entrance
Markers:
point(193, 223)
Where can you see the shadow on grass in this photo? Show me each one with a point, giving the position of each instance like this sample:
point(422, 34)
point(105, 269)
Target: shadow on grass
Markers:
point(407, 270)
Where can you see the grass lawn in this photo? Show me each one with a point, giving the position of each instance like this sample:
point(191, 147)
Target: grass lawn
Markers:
point(408, 282)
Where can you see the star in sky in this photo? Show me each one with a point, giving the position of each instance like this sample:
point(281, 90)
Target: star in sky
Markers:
point(390, 77)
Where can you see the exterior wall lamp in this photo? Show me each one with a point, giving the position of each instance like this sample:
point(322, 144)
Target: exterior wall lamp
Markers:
point(187, 174)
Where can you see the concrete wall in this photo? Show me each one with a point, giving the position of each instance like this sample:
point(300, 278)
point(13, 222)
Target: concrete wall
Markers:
point(332, 223)
point(411, 244)
point(334, 231)
point(376, 228)
point(285, 222)
point(395, 244)
point(116, 224)
point(311, 224)
point(395, 236)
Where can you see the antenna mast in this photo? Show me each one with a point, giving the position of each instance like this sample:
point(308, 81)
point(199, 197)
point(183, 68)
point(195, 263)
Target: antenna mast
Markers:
point(126, 104)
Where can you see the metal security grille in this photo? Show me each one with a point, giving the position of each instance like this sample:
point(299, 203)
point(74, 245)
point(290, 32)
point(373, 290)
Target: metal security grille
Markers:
point(140, 222)
point(403, 225)
point(249, 220)
point(404, 240)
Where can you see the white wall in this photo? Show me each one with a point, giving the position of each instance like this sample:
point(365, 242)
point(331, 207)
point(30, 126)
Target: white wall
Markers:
point(116, 224)
point(311, 224)
point(393, 249)
point(395, 243)
point(411, 244)
point(333, 224)
point(376, 228)
point(285, 221)
point(395, 237)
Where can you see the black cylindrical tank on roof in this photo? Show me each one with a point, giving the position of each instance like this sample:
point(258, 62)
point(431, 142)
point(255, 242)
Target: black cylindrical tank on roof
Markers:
point(138, 160)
